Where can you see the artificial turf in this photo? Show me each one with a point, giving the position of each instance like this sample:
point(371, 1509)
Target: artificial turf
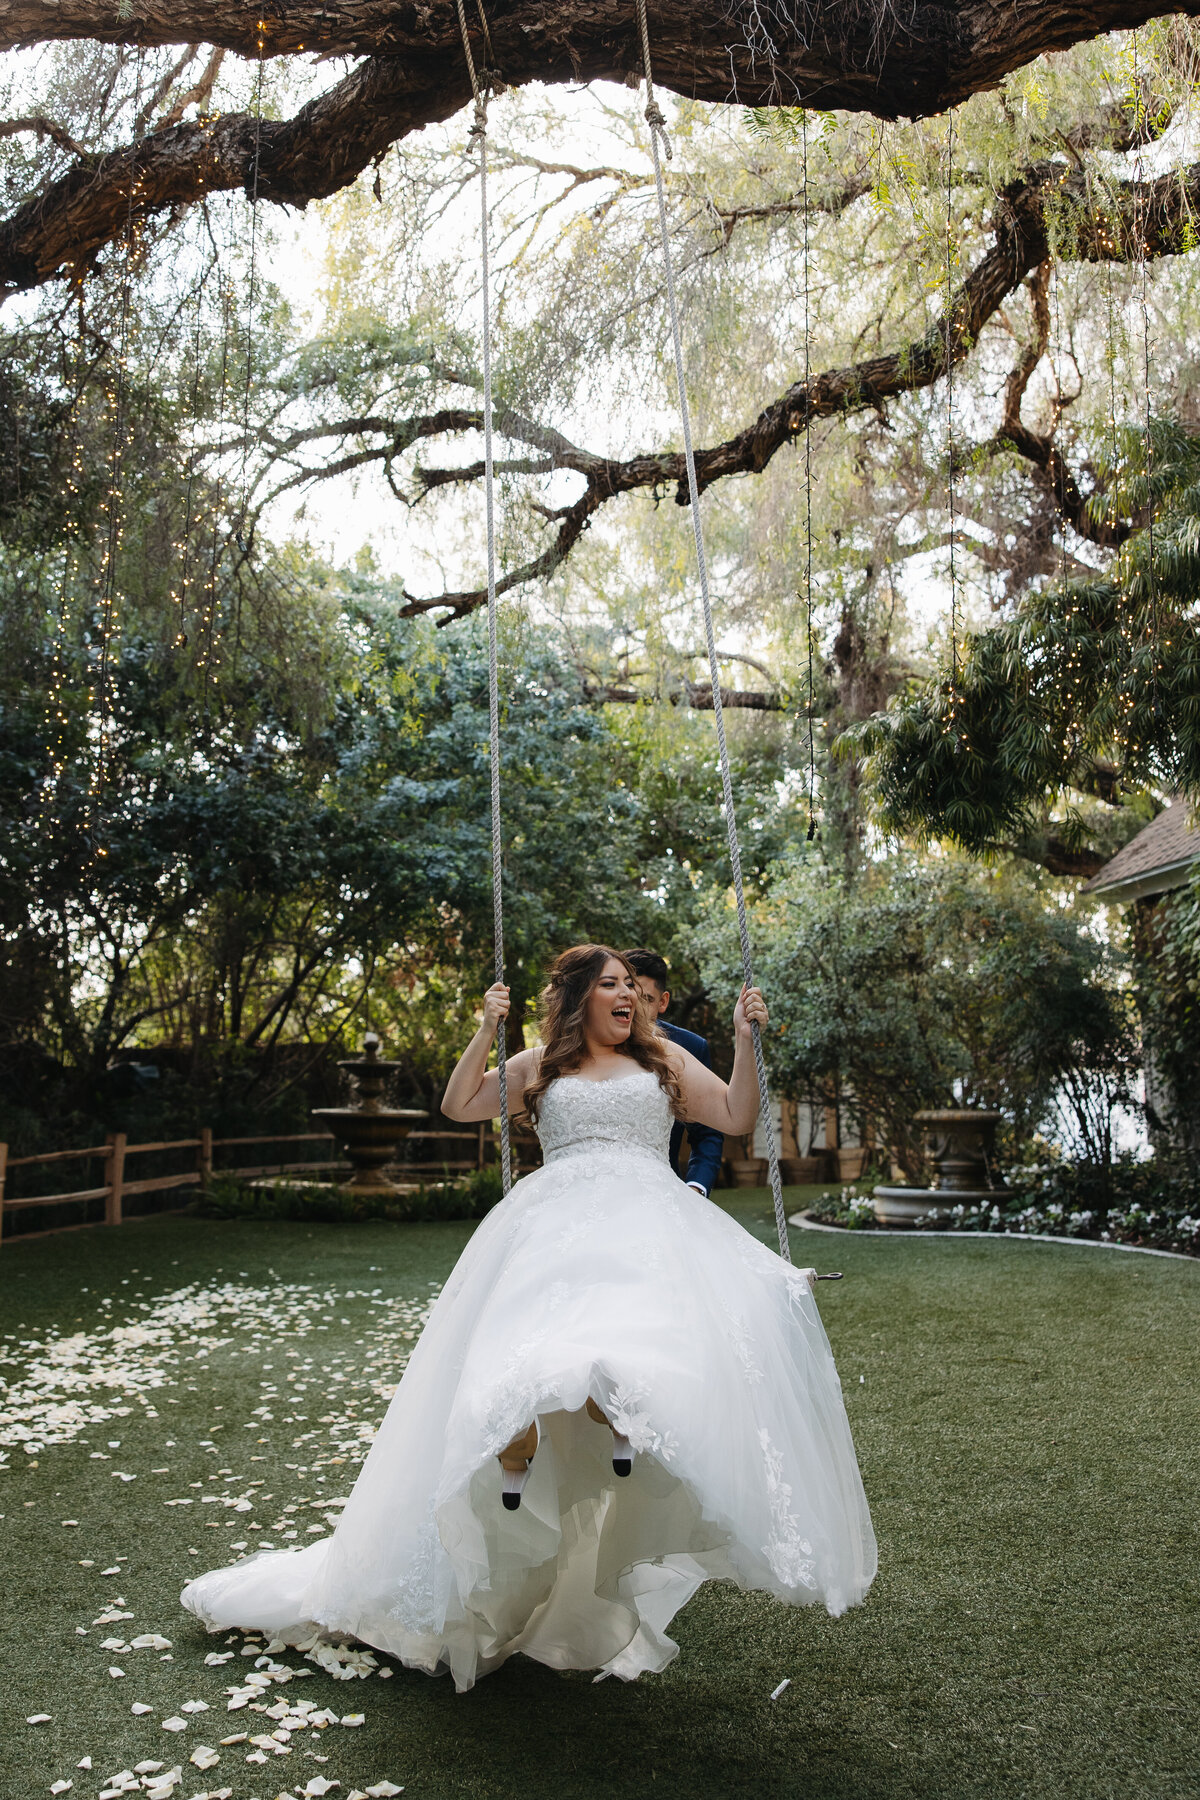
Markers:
point(1026, 1418)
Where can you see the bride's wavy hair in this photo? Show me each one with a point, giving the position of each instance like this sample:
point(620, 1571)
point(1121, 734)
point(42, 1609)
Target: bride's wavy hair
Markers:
point(564, 1043)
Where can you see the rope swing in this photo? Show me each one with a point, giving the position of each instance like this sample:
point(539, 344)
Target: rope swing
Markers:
point(659, 145)
point(479, 135)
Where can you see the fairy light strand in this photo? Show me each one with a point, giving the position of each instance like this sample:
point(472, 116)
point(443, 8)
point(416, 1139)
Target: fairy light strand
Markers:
point(951, 498)
point(808, 549)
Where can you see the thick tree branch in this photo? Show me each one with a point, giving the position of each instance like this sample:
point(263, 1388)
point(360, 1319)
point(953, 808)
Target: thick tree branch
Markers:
point(1150, 218)
point(893, 62)
point(699, 697)
point(44, 128)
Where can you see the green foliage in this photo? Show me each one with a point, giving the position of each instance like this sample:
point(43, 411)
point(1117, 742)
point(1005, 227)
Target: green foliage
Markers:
point(1090, 679)
point(934, 983)
point(1167, 951)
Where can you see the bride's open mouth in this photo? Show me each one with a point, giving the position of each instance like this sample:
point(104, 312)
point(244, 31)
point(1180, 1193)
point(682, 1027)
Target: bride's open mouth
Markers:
point(624, 1012)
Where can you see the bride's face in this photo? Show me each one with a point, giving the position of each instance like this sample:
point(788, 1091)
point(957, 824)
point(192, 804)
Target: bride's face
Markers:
point(608, 1013)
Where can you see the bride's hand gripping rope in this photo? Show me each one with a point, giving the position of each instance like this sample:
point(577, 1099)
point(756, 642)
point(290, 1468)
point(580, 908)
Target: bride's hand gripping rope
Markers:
point(495, 1007)
point(751, 1010)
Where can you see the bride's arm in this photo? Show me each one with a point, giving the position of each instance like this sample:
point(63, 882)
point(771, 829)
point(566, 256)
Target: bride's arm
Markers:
point(473, 1091)
point(730, 1107)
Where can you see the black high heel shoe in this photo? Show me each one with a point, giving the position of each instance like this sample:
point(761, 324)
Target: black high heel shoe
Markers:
point(622, 1459)
point(515, 1462)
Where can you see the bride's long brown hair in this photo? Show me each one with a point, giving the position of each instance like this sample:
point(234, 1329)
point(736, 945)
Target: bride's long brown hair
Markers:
point(564, 1043)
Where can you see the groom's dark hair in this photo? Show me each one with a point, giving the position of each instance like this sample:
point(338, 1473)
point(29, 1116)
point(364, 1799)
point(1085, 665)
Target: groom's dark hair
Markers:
point(650, 964)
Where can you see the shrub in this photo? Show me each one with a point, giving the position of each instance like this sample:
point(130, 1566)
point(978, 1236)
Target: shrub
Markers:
point(469, 1198)
point(1144, 1203)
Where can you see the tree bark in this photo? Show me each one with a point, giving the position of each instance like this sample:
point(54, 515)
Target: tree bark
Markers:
point(893, 58)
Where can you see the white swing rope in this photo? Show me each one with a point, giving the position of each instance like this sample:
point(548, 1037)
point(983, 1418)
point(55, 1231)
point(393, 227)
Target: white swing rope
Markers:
point(479, 134)
point(658, 137)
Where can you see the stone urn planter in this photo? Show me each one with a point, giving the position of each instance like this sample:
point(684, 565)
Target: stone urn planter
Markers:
point(960, 1143)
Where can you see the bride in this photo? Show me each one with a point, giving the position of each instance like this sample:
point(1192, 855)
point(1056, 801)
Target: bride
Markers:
point(619, 1395)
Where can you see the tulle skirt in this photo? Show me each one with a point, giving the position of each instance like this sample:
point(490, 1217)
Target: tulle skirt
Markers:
point(600, 1275)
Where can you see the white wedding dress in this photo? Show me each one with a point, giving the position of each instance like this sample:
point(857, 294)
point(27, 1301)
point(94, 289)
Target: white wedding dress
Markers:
point(601, 1274)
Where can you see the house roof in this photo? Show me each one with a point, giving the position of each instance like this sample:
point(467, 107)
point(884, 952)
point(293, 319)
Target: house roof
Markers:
point(1159, 858)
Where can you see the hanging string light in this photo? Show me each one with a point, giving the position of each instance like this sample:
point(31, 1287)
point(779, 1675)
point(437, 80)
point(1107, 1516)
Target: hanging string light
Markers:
point(1141, 244)
point(242, 535)
point(808, 549)
point(207, 655)
point(950, 490)
point(121, 441)
point(55, 718)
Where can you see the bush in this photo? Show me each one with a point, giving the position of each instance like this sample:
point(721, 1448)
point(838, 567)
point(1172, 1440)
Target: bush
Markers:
point(470, 1198)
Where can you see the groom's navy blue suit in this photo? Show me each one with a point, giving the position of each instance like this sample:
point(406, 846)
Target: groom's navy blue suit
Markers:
point(706, 1146)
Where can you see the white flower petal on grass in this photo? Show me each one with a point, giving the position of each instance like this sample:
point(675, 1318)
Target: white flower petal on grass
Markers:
point(67, 1522)
point(354, 1719)
point(60, 1787)
point(174, 1724)
point(114, 1644)
point(383, 1790)
point(117, 1674)
point(317, 1785)
point(237, 1737)
point(148, 1768)
point(204, 1756)
point(215, 1658)
point(257, 1756)
point(194, 1706)
point(85, 1762)
point(140, 1708)
point(39, 1718)
point(120, 1475)
point(115, 1570)
point(150, 1640)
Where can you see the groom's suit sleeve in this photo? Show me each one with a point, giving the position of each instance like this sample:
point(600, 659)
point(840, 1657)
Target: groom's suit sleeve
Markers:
point(705, 1145)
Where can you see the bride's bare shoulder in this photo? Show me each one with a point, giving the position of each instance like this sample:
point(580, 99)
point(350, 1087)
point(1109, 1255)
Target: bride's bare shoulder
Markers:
point(524, 1065)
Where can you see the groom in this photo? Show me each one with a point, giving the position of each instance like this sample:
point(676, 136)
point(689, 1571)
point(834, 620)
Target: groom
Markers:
point(705, 1146)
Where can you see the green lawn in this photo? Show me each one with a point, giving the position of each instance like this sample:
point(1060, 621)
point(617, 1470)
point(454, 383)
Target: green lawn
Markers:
point(1027, 1422)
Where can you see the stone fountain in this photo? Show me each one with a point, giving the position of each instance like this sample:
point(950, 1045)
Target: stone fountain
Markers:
point(369, 1133)
point(960, 1143)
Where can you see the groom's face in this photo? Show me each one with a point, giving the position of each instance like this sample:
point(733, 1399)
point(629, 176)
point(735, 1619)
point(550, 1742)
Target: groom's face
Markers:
point(655, 1000)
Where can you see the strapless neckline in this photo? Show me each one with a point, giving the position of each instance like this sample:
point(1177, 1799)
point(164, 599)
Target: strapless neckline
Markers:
point(609, 1080)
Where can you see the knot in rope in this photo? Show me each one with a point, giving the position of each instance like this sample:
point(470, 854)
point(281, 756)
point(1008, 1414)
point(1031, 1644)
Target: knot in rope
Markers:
point(656, 120)
point(479, 124)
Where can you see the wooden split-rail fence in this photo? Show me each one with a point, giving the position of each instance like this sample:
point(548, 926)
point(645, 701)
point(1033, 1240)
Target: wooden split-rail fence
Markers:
point(115, 1153)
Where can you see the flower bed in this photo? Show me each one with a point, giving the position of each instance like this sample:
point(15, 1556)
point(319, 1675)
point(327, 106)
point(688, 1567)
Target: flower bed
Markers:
point(1131, 1203)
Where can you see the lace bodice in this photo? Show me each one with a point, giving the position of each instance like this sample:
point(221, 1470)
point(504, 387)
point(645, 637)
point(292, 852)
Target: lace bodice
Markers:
point(631, 1113)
